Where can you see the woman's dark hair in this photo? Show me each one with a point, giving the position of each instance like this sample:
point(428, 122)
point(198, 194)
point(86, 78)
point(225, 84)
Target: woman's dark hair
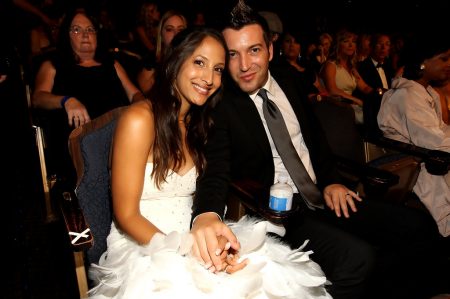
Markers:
point(166, 104)
point(66, 55)
point(419, 47)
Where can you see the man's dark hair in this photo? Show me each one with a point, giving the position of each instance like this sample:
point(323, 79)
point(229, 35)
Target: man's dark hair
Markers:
point(242, 15)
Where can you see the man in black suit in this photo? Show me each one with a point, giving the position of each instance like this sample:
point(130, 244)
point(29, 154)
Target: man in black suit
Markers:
point(377, 71)
point(241, 147)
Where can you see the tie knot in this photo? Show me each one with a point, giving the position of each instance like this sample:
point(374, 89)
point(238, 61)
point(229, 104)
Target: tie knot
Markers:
point(263, 94)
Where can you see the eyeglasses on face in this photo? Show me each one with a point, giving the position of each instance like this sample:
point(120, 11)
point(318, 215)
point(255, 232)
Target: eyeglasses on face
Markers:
point(77, 30)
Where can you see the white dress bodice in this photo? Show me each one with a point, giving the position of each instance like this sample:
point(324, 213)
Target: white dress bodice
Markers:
point(169, 208)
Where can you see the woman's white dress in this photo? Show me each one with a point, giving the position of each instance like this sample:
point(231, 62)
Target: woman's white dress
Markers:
point(162, 269)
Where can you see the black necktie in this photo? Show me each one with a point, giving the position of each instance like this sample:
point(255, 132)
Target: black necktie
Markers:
point(379, 65)
point(291, 160)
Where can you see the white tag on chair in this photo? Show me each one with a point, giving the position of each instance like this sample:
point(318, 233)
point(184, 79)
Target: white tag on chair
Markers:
point(79, 235)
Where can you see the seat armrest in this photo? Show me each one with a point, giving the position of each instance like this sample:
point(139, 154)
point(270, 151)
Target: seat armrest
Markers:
point(76, 226)
point(255, 197)
point(371, 177)
point(436, 162)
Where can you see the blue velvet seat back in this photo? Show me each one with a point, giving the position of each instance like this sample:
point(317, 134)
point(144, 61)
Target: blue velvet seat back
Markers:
point(93, 191)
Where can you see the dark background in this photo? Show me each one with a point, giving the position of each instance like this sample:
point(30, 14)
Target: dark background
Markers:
point(38, 262)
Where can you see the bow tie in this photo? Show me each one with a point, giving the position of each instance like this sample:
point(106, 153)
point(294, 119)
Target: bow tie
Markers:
point(379, 65)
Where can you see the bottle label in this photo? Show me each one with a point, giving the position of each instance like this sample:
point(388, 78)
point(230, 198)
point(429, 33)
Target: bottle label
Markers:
point(278, 203)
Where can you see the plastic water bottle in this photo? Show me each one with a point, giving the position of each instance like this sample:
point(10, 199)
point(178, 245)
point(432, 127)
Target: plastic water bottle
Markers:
point(281, 194)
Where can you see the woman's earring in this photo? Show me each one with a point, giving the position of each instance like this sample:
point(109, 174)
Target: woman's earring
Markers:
point(422, 66)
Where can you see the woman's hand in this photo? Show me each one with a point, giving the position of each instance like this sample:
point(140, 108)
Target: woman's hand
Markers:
point(77, 113)
point(230, 258)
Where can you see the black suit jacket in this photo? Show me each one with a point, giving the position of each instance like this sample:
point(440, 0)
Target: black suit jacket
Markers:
point(370, 75)
point(238, 147)
point(372, 102)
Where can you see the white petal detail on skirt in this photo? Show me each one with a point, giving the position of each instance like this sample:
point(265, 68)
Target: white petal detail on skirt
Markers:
point(275, 271)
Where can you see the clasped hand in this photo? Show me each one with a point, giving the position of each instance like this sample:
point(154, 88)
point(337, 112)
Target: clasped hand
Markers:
point(215, 245)
point(183, 243)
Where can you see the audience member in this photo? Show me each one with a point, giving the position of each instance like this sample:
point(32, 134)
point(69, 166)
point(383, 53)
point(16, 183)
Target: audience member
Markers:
point(395, 55)
point(340, 76)
point(355, 241)
point(291, 52)
point(79, 83)
point(199, 18)
point(363, 47)
point(157, 155)
point(376, 70)
point(276, 29)
point(411, 112)
point(43, 38)
point(35, 10)
point(325, 43)
point(147, 26)
point(171, 23)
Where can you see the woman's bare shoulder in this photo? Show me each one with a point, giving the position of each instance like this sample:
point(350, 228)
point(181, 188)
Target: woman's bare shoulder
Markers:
point(139, 113)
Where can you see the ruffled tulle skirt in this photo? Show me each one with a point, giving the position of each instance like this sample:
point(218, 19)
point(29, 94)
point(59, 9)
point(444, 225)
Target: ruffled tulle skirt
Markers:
point(129, 270)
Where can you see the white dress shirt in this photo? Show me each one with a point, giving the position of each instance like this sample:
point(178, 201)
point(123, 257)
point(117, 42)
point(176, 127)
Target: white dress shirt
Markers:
point(277, 95)
point(382, 74)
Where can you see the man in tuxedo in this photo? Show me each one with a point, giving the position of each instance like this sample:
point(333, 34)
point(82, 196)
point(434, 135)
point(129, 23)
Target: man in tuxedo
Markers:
point(346, 236)
point(377, 71)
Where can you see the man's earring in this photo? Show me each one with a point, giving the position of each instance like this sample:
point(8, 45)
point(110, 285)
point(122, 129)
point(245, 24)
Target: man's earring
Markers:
point(422, 66)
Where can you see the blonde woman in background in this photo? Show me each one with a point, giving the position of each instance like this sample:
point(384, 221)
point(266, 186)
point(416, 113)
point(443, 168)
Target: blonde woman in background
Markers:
point(340, 76)
point(172, 22)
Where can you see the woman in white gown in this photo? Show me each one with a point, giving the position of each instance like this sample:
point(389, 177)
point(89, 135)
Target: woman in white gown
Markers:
point(157, 156)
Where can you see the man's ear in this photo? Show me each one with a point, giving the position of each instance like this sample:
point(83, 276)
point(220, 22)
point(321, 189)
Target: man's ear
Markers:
point(270, 51)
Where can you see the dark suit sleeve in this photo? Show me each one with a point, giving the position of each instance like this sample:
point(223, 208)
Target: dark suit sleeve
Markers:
point(212, 186)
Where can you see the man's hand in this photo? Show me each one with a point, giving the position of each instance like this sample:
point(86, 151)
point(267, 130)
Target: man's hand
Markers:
point(212, 241)
point(339, 198)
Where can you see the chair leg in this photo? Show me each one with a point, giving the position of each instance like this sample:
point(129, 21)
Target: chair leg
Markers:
point(81, 274)
point(47, 182)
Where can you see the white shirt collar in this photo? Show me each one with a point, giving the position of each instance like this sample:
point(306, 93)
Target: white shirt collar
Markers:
point(267, 86)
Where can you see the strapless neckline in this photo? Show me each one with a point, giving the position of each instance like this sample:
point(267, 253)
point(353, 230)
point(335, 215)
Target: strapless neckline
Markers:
point(176, 173)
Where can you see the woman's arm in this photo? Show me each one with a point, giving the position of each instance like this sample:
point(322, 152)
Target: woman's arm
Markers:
point(146, 79)
point(128, 86)
point(132, 145)
point(27, 6)
point(42, 95)
point(144, 39)
point(361, 84)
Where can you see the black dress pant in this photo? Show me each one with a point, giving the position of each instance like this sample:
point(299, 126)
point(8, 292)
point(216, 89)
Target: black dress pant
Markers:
point(382, 251)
